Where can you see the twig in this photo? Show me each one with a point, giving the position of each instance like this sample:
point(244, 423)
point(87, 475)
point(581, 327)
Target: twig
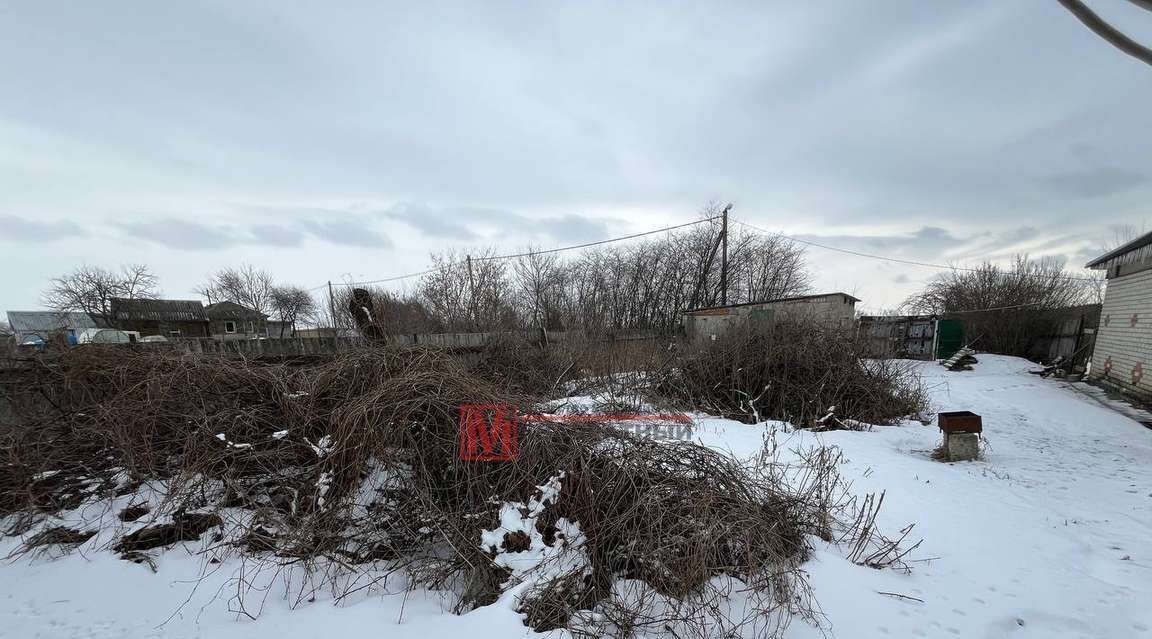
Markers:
point(898, 595)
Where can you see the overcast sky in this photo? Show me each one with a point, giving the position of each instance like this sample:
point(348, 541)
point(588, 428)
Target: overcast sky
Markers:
point(349, 141)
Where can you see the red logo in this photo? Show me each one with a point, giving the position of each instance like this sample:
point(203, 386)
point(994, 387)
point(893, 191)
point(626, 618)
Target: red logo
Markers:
point(488, 432)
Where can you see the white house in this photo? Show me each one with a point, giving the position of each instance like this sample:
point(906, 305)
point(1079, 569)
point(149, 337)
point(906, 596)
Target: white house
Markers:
point(1122, 356)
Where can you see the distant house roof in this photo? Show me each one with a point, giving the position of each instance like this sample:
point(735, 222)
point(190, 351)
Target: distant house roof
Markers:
point(23, 322)
point(158, 310)
point(231, 310)
point(1134, 251)
point(797, 298)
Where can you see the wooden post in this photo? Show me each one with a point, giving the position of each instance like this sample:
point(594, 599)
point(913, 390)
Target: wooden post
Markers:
point(472, 295)
point(332, 307)
point(724, 258)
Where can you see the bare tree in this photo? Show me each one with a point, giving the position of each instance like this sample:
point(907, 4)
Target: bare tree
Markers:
point(445, 292)
point(1006, 308)
point(292, 304)
point(1033, 283)
point(246, 285)
point(393, 313)
point(1121, 235)
point(466, 298)
point(642, 286)
point(91, 289)
point(1109, 33)
point(540, 280)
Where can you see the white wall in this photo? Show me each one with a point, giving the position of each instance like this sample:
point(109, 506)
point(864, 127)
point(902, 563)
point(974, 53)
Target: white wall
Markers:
point(1120, 342)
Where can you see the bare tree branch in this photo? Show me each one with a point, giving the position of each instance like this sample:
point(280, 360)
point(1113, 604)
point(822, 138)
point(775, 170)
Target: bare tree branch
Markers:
point(1113, 35)
point(246, 285)
point(91, 289)
point(293, 304)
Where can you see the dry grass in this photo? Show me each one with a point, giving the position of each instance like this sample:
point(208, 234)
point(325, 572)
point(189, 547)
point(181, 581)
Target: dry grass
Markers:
point(796, 372)
point(349, 470)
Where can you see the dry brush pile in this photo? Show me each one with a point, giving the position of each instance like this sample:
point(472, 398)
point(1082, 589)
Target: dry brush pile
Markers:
point(796, 371)
point(348, 472)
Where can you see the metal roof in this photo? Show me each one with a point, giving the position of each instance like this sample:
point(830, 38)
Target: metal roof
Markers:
point(232, 310)
point(1134, 251)
point(48, 321)
point(797, 298)
point(159, 310)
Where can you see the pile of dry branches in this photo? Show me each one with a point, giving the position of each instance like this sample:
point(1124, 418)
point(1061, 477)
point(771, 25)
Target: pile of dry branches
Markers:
point(352, 468)
point(795, 371)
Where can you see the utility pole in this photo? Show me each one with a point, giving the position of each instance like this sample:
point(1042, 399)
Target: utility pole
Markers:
point(724, 257)
point(472, 295)
point(332, 307)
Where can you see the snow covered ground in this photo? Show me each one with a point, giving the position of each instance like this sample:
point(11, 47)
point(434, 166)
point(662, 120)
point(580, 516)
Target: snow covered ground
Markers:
point(1049, 536)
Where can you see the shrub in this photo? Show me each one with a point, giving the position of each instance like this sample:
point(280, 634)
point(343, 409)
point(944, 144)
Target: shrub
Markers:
point(795, 371)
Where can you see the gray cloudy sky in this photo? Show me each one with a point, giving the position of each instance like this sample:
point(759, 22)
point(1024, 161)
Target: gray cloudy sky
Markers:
point(350, 140)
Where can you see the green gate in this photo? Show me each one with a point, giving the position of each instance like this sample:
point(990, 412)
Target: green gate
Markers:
point(949, 337)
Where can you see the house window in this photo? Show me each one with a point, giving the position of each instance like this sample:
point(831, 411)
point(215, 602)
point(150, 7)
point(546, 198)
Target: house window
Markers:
point(229, 327)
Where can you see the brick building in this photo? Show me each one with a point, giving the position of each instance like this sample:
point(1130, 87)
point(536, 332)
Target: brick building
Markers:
point(829, 309)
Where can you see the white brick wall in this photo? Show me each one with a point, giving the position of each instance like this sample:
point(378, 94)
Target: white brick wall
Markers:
point(1118, 342)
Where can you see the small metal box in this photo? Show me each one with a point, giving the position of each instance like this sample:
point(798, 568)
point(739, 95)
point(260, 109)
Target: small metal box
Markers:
point(961, 421)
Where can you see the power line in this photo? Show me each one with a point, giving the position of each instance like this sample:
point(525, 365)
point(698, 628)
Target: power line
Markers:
point(396, 278)
point(890, 259)
point(994, 308)
point(573, 247)
point(524, 254)
point(580, 246)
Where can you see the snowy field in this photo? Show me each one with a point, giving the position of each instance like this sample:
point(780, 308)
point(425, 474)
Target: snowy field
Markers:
point(1049, 536)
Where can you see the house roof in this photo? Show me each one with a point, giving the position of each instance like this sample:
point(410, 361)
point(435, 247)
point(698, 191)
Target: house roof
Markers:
point(1131, 252)
point(160, 310)
point(48, 321)
point(797, 298)
point(232, 310)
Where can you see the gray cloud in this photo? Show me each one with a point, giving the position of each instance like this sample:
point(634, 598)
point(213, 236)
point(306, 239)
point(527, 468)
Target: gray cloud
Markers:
point(350, 226)
point(1097, 182)
point(459, 223)
point(574, 228)
point(29, 230)
point(181, 234)
point(432, 222)
point(276, 235)
point(939, 245)
point(925, 240)
point(842, 119)
point(347, 231)
point(194, 236)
